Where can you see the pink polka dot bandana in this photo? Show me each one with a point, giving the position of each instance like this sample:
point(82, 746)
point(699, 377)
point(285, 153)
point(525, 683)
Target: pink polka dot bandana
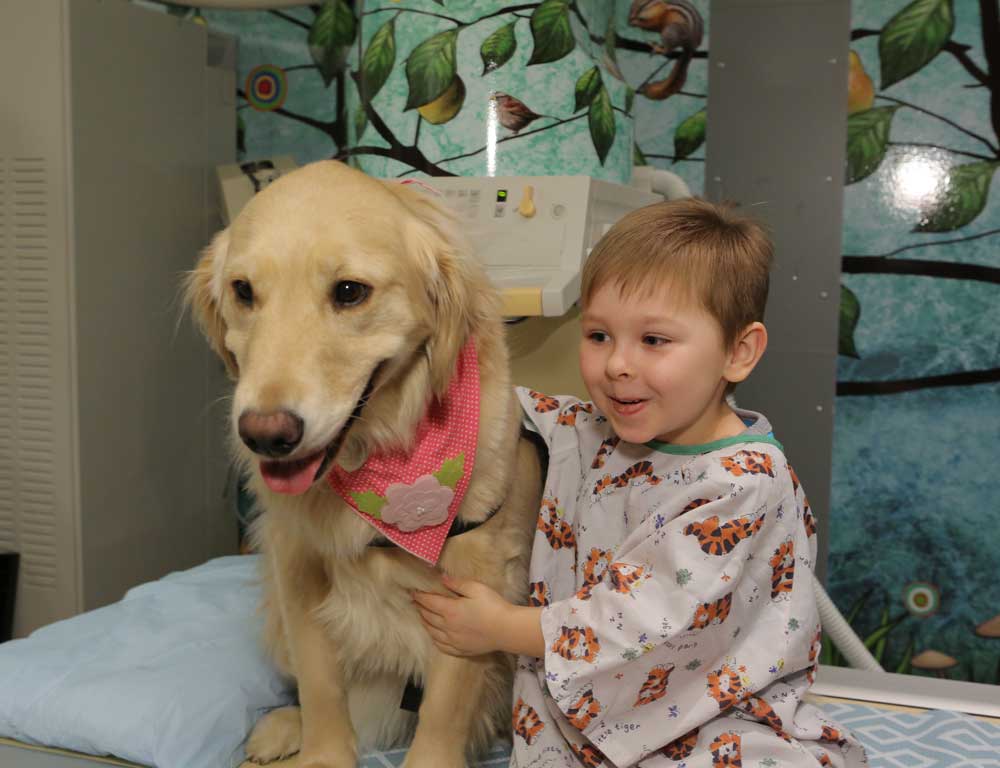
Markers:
point(412, 498)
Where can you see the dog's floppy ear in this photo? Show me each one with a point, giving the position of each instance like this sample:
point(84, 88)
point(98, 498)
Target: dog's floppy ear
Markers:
point(456, 285)
point(203, 292)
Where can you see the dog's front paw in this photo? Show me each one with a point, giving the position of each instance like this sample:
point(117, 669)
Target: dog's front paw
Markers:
point(276, 735)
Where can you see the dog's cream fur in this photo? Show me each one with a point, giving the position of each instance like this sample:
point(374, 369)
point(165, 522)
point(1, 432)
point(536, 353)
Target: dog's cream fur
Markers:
point(339, 617)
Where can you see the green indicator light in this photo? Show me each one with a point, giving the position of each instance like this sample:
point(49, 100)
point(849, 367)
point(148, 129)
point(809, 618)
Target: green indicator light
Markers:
point(501, 195)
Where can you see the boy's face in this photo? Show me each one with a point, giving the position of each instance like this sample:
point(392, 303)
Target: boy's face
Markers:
point(654, 366)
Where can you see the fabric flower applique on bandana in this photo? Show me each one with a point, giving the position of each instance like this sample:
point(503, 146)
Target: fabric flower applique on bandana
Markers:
point(410, 507)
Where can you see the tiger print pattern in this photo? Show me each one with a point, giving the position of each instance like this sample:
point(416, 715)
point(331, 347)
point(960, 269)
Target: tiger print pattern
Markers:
point(726, 687)
point(527, 724)
point(715, 539)
point(655, 686)
point(727, 751)
point(782, 564)
point(795, 478)
point(814, 650)
point(577, 644)
point(681, 748)
point(640, 472)
point(808, 520)
point(807, 515)
point(568, 417)
point(824, 760)
point(589, 755)
point(583, 710)
point(764, 712)
point(606, 449)
point(832, 736)
point(558, 533)
point(539, 594)
point(715, 612)
point(622, 577)
point(598, 561)
point(748, 463)
point(543, 403)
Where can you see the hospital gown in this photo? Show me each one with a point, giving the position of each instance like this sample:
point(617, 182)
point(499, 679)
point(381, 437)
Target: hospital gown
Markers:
point(679, 619)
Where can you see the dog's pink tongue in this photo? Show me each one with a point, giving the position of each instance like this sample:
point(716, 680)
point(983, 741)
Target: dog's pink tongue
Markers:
point(291, 477)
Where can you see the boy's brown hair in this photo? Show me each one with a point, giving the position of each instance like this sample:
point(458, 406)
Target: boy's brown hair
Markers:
point(713, 254)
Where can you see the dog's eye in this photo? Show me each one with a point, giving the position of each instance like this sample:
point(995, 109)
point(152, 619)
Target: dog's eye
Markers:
point(348, 293)
point(243, 292)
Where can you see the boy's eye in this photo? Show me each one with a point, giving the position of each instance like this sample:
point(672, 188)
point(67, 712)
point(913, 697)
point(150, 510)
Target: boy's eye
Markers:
point(597, 336)
point(655, 341)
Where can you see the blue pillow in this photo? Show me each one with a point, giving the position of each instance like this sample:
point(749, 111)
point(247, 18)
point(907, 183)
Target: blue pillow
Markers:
point(172, 676)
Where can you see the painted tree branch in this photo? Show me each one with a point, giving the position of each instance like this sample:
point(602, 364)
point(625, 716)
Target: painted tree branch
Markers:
point(520, 135)
point(454, 20)
point(895, 386)
point(882, 265)
point(927, 145)
point(927, 244)
point(942, 118)
point(290, 19)
point(990, 23)
point(412, 156)
point(674, 158)
point(319, 125)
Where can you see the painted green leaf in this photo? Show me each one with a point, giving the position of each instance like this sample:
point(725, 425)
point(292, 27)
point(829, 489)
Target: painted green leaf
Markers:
point(587, 87)
point(551, 32)
point(360, 123)
point(637, 157)
point(867, 139)
point(610, 58)
point(690, 135)
point(370, 503)
point(497, 49)
point(431, 68)
point(963, 198)
point(905, 667)
point(850, 312)
point(629, 98)
point(913, 37)
point(451, 471)
point(330, 37)
point(602, 123)
point(884, 628)
point(378, 60)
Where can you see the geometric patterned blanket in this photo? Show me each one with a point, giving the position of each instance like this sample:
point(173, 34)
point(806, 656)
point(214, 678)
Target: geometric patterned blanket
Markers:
point(894, 739)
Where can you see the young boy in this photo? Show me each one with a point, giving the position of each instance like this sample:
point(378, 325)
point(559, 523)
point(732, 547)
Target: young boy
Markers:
point(671, 618)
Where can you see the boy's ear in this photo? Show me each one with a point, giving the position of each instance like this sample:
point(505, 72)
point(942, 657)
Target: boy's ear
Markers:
point(746, 352)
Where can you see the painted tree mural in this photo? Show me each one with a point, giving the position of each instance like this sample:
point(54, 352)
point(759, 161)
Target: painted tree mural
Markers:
point(912, 546)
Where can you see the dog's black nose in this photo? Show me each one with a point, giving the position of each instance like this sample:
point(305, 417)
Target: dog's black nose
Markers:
point(271, 434)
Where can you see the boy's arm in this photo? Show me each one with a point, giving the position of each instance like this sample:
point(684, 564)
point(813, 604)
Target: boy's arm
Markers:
point(477, 620)
point(523, 634)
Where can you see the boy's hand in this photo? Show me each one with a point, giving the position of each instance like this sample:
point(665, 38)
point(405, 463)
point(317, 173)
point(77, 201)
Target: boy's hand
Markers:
point(467, 623)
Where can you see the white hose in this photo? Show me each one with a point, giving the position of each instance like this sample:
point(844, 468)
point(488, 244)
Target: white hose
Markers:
point(846, 640)
point(665, 183)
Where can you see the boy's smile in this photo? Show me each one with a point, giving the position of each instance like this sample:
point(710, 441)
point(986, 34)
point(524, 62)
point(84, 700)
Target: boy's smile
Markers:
point(657, 367)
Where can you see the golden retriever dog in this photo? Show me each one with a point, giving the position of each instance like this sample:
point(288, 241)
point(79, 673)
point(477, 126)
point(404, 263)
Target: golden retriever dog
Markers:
point(340, 304)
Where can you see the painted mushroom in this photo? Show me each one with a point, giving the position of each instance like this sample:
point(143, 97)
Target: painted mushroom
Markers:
point(991, 629)
point(934, 661)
